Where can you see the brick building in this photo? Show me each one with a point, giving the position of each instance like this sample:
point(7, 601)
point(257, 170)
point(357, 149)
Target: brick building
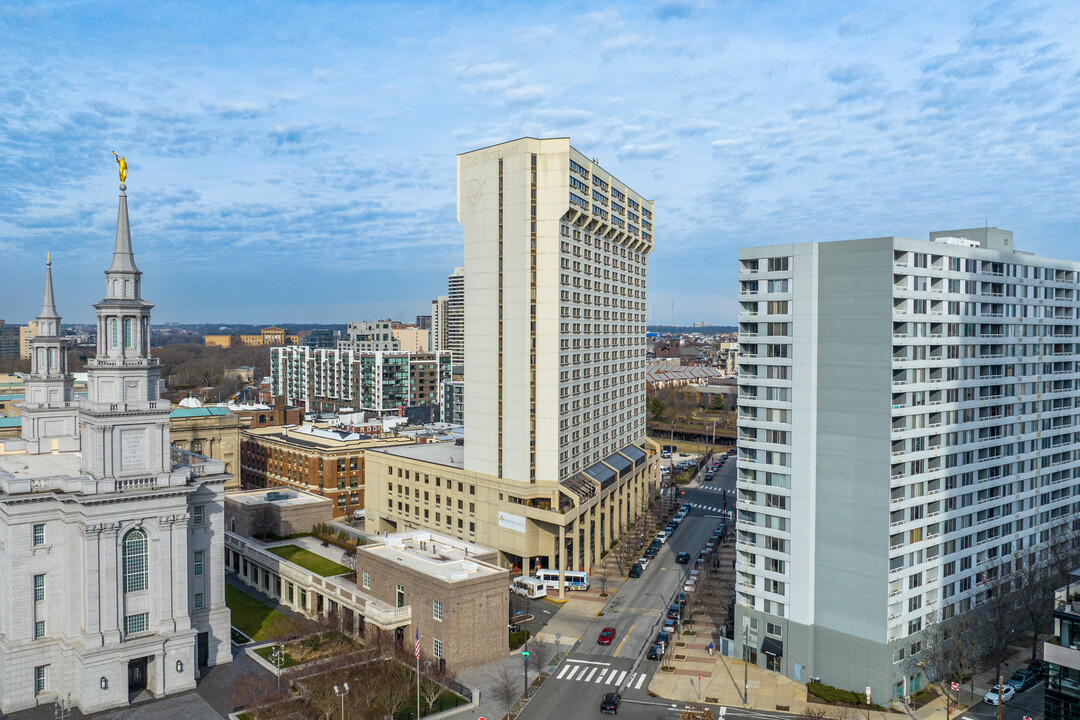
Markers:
point(322, 460)
point(458, 595)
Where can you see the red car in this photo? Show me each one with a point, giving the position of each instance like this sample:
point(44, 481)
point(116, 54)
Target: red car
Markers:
point(606, 636)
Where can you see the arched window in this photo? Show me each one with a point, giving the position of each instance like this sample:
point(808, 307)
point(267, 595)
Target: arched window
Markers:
point(136, 570)
point(129, 332)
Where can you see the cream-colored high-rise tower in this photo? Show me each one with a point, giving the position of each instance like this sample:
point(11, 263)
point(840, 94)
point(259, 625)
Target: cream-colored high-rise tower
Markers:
point(555, 252)
point(555, 464)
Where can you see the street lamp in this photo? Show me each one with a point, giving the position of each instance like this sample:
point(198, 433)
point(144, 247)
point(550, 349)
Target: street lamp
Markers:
point(278, 657)
point(341, 693)
point(525, 670)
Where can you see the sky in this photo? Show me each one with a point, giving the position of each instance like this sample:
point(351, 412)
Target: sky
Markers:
point(295, 162)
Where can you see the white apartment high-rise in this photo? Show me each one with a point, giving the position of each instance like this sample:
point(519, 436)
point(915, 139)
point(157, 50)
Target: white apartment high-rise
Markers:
point(907, 428)
point(555, 252)
point(440, 325)
point(554, 465)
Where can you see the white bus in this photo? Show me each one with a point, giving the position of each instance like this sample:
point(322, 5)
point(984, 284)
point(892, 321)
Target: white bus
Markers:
point(575, 579)
point(529, 587)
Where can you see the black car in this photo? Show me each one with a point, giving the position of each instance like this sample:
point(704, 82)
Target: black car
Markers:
point(656, 651)
point(650, 552)
point(682, 558)
point(1038, 667)
point(673, 612)
point(663, 639)
point(610, 703)
point(635, 571)
point(682, 599)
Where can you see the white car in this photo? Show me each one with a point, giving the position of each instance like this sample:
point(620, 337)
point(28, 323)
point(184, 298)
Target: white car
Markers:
point(643, 562)
point(1000, 693)
point(662, 536)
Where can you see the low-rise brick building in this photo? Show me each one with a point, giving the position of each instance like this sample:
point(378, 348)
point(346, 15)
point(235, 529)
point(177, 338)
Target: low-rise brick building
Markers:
point(318, 459)
point(458, 595)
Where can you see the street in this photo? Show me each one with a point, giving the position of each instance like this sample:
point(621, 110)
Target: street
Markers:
point(636, 611)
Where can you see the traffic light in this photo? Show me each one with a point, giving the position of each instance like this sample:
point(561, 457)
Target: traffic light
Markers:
point(524, 653)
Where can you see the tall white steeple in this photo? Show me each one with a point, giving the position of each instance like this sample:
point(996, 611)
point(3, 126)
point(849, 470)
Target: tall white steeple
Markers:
point(125, 422)
point(49, 413)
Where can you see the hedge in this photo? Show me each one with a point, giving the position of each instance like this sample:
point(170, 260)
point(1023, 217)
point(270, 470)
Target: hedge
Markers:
point(830, 694)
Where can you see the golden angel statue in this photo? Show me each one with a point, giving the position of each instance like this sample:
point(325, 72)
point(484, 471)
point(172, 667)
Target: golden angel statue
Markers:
point(123, 167)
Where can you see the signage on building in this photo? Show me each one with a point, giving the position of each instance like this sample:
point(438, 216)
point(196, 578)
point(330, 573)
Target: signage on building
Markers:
point(509, 521)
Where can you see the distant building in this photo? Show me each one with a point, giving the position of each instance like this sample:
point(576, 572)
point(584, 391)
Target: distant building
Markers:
point(455, 315)
point(369, 336)
point(10, 341)
point(226, 341)
point(440, 325)
point(322, 339)
point(453, 402)
point(268, 414)
point(423, 322)
point(319, 459)
point(1061, 699)
point(26, 333)
point(411, 339)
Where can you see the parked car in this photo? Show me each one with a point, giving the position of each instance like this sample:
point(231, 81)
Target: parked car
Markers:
point(610, 704)
point(673, 611)
point(682, 558)
point(663, 639)
point(1038, 667)
point(685, 507)
point(635, 571)
point(665, 454)
point(689, 586)
point(1021, 680)
point(669, 626)
point(656, 651)
point(644, 563)
point(662, 536)
point(650, 552)
point(682, 599)
point(606, 636)
point(1000, 694)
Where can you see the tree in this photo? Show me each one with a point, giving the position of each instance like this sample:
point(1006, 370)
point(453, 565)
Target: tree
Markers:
point(1034, 594)
point(505, 687)
point(396, 688)
point(602, 577)
point(540, 655)
point(257, 692)
point(263, 522)
point(655, 407)
point(431, 691)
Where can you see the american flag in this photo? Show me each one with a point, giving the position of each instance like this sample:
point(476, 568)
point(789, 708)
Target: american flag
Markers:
point(416, 649)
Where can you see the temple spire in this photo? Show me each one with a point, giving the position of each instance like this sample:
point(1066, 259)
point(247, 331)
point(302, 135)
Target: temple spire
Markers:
point(48, 306)
point(123, 258)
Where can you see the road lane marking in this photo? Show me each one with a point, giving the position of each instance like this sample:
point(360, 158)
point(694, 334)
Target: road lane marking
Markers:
point(573, 671)
point(621, 677)
point(600, 676)
point(639, 681)
point(588, 662)
point(588, 676)
point(563, 671)
point(617, 649)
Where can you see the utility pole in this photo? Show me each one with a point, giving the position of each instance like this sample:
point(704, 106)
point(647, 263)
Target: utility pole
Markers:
point(525, 670)
point(1000, 691)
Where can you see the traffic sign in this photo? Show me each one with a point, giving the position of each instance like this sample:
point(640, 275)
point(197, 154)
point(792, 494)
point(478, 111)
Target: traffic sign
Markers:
point(867, 694)
point(955, 686)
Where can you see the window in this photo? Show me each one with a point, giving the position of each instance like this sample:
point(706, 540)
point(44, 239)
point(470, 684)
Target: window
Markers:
point(198, 562)
point(437, 648)
point(437, 609)
point(773, 629)
point(303, 599)
point(401, 596)
point(197, 514)
point(39, 587)
point(367, 580)
point(39, 533)
point(39, 679)
point(39, 629)
point(136, 573)
point(198, 601)
point(135, 624)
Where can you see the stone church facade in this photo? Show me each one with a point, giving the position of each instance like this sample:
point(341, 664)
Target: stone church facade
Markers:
point(111, 542)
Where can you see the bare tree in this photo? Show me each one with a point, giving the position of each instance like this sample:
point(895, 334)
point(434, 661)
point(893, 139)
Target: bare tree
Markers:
point(321, 696)
point(396, 689)
point(505, 687)
point(997, 610)
point(431, 691)
point(540, 655)
point(257, 692)
point(602, 577)
point(262, 522)
point(1034, 594)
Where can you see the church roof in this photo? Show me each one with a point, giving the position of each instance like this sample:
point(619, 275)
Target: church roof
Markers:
point(48, 306)
point(123, 257)
point(198, 412)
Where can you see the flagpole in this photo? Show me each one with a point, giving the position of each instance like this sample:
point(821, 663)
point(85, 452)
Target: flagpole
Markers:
point(417, 653)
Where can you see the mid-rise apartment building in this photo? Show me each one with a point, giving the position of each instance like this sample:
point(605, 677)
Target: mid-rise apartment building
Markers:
point(907, 424)
point(373, 382)
point(555, 455)
point(440, 324)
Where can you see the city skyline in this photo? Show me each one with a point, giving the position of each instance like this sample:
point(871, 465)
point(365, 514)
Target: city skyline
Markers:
point(299, 166)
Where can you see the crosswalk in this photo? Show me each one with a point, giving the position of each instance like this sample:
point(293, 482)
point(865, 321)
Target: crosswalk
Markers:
point(599, 674)
point(711, 508)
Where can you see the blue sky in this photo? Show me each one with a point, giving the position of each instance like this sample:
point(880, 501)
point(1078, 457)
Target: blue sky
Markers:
point(295, 161)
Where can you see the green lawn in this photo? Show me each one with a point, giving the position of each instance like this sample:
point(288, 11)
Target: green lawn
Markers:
point(255, 619)
point(309, 560)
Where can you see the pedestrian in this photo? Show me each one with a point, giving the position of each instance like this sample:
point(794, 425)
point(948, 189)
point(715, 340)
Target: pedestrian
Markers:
point(710, 649)
point(732, 564)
